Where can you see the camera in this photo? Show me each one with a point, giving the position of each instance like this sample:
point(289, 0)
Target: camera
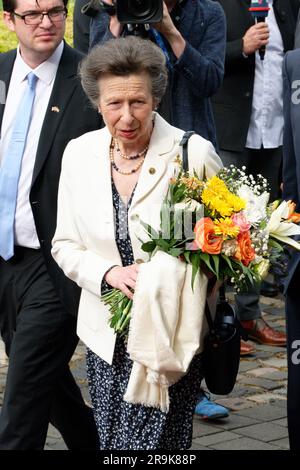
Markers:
point(139, 11)
point(135, 14)
point(128, 11)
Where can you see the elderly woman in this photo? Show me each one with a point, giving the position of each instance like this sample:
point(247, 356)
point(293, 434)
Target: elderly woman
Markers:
point(111, 179)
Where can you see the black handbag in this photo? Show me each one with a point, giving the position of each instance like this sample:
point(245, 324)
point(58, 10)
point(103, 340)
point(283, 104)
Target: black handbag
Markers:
point(221, 355)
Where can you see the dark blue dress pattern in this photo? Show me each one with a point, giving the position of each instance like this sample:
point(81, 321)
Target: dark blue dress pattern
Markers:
point(125, 426)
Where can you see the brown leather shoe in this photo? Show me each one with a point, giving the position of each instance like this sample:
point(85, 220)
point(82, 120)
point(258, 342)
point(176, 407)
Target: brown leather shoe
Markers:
point(258, 330)
point(246, 348)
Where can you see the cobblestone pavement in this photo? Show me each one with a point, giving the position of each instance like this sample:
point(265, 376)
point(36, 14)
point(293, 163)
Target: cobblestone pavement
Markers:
point(257, 419)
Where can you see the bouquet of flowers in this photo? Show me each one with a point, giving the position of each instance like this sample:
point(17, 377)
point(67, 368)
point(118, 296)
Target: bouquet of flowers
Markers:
point(223, 225)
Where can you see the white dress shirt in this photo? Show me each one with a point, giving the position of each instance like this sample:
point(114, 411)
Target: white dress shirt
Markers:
point(266, 124)
point(25, 231)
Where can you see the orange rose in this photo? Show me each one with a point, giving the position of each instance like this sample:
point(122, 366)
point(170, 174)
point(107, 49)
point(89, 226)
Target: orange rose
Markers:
point(245, 251)
point(206, 239)
point(293, 216)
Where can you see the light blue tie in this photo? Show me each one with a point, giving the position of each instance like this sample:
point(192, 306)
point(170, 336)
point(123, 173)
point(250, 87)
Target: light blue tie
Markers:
point(10, 169)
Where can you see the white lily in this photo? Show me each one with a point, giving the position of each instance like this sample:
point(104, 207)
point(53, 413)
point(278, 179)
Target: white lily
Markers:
point(280, 229)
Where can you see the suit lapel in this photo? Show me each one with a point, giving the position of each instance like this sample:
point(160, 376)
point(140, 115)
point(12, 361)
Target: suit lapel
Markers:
point(161, 143)
point(245, 4)
point(63, 89)
point(5, 74)
point(154, 167)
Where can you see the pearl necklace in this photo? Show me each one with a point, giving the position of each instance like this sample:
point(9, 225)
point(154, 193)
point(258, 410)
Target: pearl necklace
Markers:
point(129, 157)
point(119, 170)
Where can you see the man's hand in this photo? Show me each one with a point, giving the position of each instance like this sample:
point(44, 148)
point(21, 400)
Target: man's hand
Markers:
point(115, 26)
point(123, 279)
point(166, 25)
point(255, 37)
point(167, 28)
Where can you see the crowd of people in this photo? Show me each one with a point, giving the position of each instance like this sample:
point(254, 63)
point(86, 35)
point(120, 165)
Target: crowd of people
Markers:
point(88, 139)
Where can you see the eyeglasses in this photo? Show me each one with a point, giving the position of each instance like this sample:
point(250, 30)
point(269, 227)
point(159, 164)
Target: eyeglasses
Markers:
point(55, 16)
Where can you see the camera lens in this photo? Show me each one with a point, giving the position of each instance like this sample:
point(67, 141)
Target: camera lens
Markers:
point(141, 8)
point(139, 11)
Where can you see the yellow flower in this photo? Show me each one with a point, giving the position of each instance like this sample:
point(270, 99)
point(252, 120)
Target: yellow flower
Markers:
point(226, 228)
point(219, 199)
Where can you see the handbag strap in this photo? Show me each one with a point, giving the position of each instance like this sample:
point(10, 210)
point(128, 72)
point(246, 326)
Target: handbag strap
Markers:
point(185, 166)
point(209, 318)
point(184, 143)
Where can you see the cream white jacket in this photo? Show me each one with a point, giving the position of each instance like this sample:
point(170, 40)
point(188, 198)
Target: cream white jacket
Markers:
point(84, 243)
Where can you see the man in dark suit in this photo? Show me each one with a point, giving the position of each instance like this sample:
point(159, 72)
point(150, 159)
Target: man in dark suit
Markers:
point(249, 118)
point(38, 304)
point(291, 191)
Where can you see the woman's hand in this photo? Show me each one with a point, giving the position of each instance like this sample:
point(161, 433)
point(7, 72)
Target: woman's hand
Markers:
point(123, 279)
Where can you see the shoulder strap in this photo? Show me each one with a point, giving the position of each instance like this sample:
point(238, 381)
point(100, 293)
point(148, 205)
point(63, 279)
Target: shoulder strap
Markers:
point(209, 318)
point(185, 167)
point(184, 143)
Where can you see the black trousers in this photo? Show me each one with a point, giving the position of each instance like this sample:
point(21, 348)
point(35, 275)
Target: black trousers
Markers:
point(40, 338)
point(293, 349)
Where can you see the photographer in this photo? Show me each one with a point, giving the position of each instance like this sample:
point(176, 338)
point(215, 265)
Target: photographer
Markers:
point(81, 28)
point(192, 36)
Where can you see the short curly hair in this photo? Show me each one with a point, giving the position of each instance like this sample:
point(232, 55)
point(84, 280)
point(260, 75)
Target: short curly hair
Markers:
point(122, 57)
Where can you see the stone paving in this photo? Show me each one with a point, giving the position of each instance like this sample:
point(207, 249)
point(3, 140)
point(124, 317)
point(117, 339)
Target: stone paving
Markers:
point(257, 418)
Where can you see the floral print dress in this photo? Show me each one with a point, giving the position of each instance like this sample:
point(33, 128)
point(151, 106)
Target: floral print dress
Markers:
point(126, 426)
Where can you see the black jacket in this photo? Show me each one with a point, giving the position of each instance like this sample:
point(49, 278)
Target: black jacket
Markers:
point(232, 105)
point(74, 118)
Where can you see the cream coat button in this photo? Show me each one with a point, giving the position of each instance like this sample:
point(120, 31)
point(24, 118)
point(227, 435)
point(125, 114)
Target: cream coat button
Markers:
point(152, 170)
point(139, 261)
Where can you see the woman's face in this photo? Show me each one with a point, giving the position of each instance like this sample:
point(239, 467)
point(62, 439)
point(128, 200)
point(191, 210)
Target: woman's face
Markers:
point(126, 104)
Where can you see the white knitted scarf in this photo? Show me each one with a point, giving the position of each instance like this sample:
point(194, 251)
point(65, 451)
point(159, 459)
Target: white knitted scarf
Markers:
point(167, 328)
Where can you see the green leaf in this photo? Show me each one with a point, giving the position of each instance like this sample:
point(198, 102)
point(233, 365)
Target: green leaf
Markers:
point(148, 247)
point(274, 244)
point(216, 261)
point(163, 244)
point(206, 258)
point(175, 252)
point(228, 261)
point(247, 272)
point(195, 267)
point(150, 230)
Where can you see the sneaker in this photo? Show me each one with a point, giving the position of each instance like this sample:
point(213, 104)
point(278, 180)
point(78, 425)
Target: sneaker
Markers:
point(207, 409)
